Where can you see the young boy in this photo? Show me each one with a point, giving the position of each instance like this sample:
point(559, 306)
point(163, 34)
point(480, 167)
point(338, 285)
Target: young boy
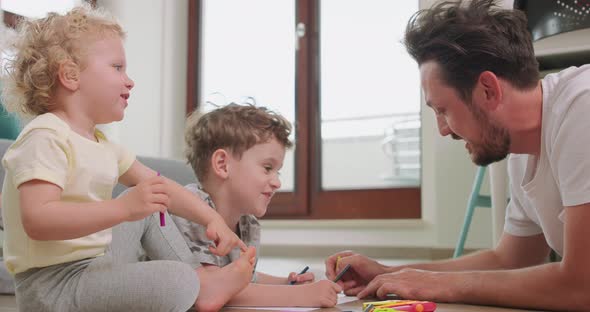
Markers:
point(236, 152)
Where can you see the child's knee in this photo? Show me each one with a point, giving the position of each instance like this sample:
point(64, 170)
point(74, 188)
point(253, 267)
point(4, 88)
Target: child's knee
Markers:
point(182, 284)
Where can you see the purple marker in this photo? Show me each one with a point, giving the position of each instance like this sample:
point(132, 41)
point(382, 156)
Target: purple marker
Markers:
point(162, 218)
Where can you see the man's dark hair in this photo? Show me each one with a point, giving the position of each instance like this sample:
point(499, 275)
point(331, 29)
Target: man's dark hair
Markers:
point(468, 39)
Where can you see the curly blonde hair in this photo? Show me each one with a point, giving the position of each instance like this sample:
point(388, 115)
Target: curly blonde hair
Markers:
point(233, 127)
point(42, 46)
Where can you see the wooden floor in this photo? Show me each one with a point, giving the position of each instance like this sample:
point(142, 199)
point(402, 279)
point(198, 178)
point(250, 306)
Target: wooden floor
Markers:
point(274, 266)
point(7, 304)
point(282, 266)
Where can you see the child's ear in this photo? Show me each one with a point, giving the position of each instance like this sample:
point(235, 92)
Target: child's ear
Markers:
point(69, 75)
point(219, 163)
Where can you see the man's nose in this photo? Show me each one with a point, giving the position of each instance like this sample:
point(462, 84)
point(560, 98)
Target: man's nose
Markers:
point(443, 127)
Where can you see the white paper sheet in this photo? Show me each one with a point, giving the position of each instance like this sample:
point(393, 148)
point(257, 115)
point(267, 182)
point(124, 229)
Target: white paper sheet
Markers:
point(341, 299)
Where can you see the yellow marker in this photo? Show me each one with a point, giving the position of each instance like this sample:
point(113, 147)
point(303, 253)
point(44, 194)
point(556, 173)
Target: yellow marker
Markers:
point(390, 303)
point(402, 305)
point(385, 310)
point(338, 262)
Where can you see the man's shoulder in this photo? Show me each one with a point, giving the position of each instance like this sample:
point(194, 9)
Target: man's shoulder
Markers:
point(565, 98)
point(571, 79)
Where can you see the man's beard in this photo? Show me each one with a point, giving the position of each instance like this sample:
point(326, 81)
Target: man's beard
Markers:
point(495, 141)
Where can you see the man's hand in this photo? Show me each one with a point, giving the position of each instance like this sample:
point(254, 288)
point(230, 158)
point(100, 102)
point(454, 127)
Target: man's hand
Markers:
point(223, 237)
point(411, 284)
point(362, 271)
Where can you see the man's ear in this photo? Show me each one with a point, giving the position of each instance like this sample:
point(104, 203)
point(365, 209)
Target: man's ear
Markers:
point(69, 75)
point(488, 91)
point(219, 163)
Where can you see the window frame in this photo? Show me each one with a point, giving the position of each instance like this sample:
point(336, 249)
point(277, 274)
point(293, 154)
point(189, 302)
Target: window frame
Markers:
point(11, 19)
point(308, 200)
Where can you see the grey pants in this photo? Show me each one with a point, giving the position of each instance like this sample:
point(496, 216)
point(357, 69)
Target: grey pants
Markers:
point(119, 280)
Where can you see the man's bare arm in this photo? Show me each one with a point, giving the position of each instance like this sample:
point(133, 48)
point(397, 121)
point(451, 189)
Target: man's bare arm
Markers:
point(534, 287)
point(512, 252)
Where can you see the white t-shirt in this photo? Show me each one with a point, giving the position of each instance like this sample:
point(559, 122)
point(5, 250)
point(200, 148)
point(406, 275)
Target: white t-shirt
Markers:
point(86, 171)
point(541, 187)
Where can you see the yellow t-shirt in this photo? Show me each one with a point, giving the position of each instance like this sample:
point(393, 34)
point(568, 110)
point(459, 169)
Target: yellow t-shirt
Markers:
point(86, 171)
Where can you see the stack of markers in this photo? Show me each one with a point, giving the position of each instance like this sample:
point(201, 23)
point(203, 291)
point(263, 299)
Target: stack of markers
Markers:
point(399, 305)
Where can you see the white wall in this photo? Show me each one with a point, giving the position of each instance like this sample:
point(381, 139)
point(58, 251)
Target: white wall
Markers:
point(156, 47)
point(157, 53)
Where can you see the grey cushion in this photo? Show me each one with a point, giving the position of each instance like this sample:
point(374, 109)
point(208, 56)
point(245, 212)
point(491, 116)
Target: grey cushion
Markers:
point(176, 170)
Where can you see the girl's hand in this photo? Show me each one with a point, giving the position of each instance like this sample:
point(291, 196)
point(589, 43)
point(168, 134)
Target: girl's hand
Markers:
point(223, 237)
point(304, 278)
point(145, 198)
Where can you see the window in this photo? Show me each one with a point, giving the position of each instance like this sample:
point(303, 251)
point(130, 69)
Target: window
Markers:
point(37, 8)
point(338, 71)
point(13, 9)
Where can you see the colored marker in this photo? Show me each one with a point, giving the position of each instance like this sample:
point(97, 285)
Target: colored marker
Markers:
point(339, 276)
point(302, 272)
point(162, 217)
point(401, 305)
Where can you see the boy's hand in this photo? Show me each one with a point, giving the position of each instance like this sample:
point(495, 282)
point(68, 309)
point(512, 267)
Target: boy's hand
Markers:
point(223, 237)
point(145, 198)
point(322, 293)
point(304, 278)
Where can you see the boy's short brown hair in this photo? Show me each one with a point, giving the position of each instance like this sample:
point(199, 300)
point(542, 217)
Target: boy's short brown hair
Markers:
point(233, 127)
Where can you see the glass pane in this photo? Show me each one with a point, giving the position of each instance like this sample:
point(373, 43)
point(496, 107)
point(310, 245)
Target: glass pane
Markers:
point(38, 8)
point(31, 9)
point(370, 96)
point(245, 59)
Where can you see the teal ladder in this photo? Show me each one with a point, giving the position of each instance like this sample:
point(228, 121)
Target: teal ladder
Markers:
point(475, 200)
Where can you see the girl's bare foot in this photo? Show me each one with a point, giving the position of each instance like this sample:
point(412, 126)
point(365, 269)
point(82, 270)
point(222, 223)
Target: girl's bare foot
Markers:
point(219, 285)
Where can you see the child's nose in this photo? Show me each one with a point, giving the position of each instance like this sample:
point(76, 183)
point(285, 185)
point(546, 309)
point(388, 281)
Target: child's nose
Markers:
point(275, 183)
point(129, 83)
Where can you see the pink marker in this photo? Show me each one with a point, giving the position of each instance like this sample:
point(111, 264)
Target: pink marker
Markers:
point(162, 218)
